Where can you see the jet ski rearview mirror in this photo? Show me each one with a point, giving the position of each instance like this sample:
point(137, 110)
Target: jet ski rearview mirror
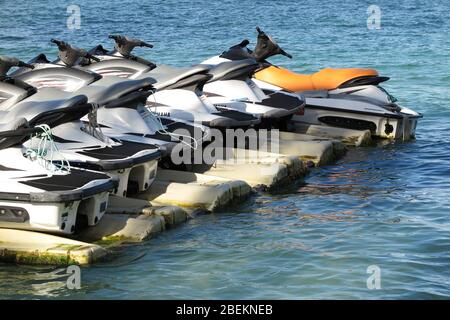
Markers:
point(6, 63)
point(69, 54)
point(124, 45)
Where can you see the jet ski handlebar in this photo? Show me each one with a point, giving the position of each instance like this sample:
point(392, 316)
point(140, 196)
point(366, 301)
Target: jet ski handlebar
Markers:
point(7, 63)
point(22, 64)
point(61, 44)
point(70, 54)
point(124, 45)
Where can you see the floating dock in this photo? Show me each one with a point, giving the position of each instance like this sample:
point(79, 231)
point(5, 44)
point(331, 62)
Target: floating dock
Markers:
point(177, 196)
point(195, 191)
point(356, 138)
point(259, 169)
point(25, 247)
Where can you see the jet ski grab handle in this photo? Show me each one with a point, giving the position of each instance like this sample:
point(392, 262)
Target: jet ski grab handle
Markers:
point(124, 45)
point(69, 55)
point(7, 63)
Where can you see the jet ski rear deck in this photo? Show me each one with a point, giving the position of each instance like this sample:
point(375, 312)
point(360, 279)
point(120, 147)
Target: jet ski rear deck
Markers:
point(36, 198)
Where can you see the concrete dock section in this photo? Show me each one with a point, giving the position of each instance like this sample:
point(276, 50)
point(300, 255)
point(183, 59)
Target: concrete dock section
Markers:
point(259, 169)
point(127, 220)
point(25, 247)
point(195, 191)
point(307, 148)
point(339, 148)
point(114, 229)
point(356, 138)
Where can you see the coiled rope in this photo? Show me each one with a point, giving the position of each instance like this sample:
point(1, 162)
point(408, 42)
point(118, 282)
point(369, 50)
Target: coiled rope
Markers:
point(156, 120)
point(45, 151)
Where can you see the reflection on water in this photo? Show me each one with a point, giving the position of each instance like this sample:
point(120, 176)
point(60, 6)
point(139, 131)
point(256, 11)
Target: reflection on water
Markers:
point(32, 281)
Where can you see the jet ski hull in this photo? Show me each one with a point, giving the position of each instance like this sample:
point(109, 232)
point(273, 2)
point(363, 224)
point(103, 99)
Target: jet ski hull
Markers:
point(52, 217)
point(390, 126)
point(384, 120)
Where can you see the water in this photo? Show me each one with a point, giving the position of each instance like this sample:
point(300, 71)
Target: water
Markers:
point(384, 206)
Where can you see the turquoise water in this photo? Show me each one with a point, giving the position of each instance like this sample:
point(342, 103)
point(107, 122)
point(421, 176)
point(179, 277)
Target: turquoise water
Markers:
point(386, 206)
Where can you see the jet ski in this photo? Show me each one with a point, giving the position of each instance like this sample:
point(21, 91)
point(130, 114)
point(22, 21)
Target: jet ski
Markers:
point(179, 91)
point(230, 85)
point(122, 113)
point(41, 195)
point(348, 98)
point(81, 144)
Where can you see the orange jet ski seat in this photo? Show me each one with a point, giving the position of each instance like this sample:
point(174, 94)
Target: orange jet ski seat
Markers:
point(325, 79)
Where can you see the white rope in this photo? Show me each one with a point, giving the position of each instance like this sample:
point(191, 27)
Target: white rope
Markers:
point(162, 130)
point(46, 150)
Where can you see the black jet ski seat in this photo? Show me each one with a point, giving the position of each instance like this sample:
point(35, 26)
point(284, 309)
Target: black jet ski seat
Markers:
point(109, 89)
point(45, 102)
point(169, 77)
point(238, 70)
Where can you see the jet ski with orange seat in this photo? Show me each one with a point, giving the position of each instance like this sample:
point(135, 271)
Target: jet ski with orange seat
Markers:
point(347, 98)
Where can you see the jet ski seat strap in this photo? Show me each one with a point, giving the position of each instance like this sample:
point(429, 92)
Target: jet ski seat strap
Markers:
point(64, 100)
